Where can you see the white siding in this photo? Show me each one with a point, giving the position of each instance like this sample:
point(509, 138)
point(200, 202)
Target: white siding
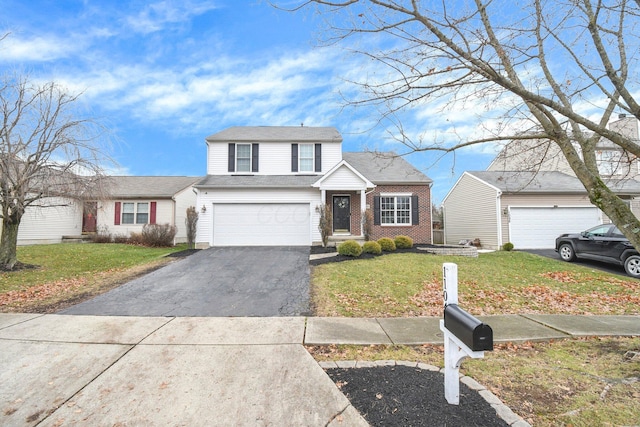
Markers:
point(343, 179)
point(183, 200)
point(274, 158)
point(48, 224)
point(209, 198)
point(470, 212)
point(106, 216)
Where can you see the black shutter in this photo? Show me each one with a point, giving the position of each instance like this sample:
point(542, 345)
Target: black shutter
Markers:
point(415, 215)
point(376, 210)
point(254, 158)
point(232, 157)
point(318, 159)
point(294, 157)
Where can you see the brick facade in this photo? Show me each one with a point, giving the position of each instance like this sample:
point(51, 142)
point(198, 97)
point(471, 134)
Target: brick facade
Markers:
point(420, 233)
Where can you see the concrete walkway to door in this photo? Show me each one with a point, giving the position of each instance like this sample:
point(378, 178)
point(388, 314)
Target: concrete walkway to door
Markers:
point(216, 282)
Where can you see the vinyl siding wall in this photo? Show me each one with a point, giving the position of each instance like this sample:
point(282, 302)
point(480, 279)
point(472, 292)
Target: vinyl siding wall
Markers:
point(208, 198)
point(531, 200)
point(42, 225)
point(106, 212)
point(470, 212)
point(274, 158)
point(183, 200)
point(343, 179)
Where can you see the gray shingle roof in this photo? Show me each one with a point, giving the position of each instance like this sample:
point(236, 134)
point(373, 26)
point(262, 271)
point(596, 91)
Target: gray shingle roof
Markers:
point(148, 186)
point(277, 134)
point(547, 182)
point(385, 168)
point(257, 181)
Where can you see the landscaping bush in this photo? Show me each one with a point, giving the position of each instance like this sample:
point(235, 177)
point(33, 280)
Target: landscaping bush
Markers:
point(103, 235)
point(120, 238)
point(136, 239)
point(507, 246)
point(350, 248)
point(325, 223)
point(387, 244)
point(372, 248)
point(367, 224)
point(403, 242)
point(158, 235)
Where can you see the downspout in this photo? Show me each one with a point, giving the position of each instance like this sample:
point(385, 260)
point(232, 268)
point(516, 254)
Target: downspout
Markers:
point(499, 218)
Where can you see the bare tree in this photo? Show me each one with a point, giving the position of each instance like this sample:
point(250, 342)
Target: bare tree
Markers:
point(541, 71)
point(48, 155)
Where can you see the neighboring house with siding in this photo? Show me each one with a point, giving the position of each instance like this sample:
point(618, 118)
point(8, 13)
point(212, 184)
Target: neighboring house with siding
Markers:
point(265, 186)
point(138, 200)
point(529, 195)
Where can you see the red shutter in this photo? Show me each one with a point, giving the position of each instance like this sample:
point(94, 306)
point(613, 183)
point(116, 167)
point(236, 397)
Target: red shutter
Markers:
point(152, 216)
point(116, 220)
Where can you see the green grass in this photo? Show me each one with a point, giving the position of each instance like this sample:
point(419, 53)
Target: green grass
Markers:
point(493, 283)
point(65, 271)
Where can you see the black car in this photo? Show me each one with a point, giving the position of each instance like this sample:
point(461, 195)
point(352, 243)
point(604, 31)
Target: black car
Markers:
point(601, 243)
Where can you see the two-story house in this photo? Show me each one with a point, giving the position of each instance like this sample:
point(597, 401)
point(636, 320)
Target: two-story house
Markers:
point(265, 187)
point(529, 195)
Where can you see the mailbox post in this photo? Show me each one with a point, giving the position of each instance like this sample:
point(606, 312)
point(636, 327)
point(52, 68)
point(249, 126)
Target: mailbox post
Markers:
point(464, 335)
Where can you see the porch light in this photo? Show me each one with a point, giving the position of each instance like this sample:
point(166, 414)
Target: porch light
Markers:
point(203, 209)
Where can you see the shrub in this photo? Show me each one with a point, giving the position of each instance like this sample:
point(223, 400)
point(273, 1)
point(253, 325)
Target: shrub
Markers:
point(136, 239)
point(387, 244)
point(102, 235)
point(403, 242)
point(350, 248)
point(367, 224)
point(158, 235)
point(324, 224)
point(507, 246)
point(372, 248)
point(191, 222)
point(120, 238)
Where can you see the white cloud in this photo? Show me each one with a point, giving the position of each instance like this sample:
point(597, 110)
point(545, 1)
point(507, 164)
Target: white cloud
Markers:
point(35, 49)
point(156, 16)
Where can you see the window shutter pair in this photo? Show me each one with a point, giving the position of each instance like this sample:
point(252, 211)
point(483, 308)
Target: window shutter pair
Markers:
point(415, 215)
point(118, 211)
point(317, 154)
point(254, 158)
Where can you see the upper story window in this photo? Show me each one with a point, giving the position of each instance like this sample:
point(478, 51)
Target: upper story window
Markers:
point(243, 157)
point(395, 210)
point(614, 162)
point(306, 158)
point(135, 213)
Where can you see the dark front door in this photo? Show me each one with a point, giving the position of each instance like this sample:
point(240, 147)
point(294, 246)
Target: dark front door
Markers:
point(89, 217)
point(341, 213)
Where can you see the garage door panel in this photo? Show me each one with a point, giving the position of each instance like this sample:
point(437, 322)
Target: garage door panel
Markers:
point(272, 224)
point(538, 227)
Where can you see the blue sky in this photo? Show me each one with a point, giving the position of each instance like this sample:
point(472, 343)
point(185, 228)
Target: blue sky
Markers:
point(163, 75)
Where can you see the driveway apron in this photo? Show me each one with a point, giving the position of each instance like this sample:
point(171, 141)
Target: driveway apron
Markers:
point(216, 282)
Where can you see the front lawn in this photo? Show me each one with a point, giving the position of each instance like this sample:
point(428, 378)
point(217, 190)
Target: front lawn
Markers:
point(410, 284)
point(67, 273)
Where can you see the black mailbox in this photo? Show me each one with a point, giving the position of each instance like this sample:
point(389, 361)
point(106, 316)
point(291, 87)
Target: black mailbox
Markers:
point(476, 335)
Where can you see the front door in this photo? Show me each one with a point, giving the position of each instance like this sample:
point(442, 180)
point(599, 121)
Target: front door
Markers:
point(89, 217)
point(341, 214)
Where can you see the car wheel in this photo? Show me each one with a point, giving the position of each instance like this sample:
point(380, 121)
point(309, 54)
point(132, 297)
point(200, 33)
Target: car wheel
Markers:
point(632, 266)
point(566, 252)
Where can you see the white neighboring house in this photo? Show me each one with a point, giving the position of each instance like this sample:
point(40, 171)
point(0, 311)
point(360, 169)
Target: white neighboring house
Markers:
point(49, 220)
point(529, 196)
point(265, 185)
point(139, 200)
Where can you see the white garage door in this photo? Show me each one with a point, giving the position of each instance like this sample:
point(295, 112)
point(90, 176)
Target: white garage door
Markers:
point(537, 228)
point(261, 224)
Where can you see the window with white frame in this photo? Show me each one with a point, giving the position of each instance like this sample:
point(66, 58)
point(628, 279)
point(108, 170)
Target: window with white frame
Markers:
point(305, 158)
point(135, 213)
point(395, 210)
point(243, 157)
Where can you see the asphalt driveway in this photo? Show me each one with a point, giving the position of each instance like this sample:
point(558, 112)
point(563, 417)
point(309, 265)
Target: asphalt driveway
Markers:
point(216, 282)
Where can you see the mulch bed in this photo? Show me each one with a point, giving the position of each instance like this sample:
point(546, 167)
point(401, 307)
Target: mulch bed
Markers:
point(405, 396)
point(341, 258)
point(184, 253)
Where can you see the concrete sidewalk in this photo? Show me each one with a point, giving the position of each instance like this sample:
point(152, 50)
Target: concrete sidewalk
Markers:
point(67, 370)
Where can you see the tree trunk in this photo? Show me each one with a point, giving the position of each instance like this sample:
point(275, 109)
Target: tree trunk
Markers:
point(8, 243)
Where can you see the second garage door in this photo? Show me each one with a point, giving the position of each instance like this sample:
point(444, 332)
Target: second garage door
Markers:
point(538, 227)
point(261, 224)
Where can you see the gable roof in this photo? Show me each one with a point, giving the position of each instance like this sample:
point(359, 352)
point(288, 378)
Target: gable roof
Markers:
point(386, 168)
point(548, 182)
point(277, 134)
point(128, 187)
